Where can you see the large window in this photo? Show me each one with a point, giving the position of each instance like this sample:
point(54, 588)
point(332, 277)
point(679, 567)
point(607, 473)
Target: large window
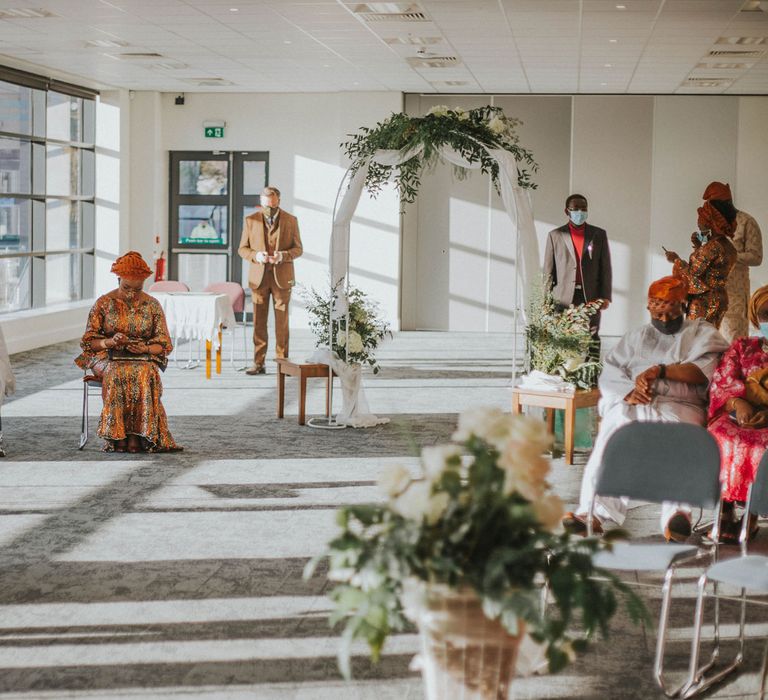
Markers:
point(47, 183)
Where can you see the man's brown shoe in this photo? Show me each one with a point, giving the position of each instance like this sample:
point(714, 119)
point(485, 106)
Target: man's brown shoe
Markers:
point(256, 369)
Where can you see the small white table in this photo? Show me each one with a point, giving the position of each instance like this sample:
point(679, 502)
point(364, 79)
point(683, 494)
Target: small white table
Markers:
point(198, 316)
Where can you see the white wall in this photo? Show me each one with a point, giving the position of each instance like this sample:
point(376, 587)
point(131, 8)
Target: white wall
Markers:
point(302, 133)
point(642, 161)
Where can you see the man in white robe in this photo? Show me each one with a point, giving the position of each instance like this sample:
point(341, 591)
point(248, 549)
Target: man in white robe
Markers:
point(659, 372)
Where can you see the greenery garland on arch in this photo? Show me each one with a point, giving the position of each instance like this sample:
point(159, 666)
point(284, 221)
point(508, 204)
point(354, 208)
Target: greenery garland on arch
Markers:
point(469, 132)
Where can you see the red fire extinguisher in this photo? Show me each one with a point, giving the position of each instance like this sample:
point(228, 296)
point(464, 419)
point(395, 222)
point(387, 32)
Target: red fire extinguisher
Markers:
point(159, 261)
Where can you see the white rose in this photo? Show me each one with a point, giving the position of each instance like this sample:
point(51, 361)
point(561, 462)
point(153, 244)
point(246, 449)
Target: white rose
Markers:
point(439, 110)
point(497, 125)
point(355, 342)
point(438, 458)
point(394, 480)
point(481, 422)
point(417, 503)
point(549, 510)
point(572, 363)
point(341, 338)
point(461, 114)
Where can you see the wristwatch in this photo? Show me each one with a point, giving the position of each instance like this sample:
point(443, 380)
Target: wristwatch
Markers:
point(662, 371)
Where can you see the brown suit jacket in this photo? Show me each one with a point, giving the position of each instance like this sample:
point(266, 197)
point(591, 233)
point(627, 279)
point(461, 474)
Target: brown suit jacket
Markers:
point(254, 239)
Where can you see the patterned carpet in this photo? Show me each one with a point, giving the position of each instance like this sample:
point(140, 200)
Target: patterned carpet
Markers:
point(181, 575)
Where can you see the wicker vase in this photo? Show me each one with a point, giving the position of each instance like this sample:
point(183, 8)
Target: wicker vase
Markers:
point(464, 655)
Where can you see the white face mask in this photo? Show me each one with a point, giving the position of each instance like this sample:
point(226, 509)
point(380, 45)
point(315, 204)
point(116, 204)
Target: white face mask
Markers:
point(577, 216)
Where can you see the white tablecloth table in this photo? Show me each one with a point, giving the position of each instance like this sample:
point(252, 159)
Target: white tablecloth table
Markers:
point(198, 316)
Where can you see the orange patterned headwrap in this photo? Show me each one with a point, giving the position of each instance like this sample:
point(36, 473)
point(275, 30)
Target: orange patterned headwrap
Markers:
point(131, 266)
point(668, 289)
point(711, 218)
point(756, 302)
point(717, 190)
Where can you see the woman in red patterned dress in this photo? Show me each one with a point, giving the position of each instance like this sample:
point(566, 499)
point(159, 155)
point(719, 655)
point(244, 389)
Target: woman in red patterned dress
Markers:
point(732, 417)
point(126, 343)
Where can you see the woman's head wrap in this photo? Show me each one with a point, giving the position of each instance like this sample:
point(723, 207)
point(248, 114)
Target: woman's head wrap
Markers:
point(710, 218)
point(668, 288)
point(717, 190)
point(756, 302)
point(131, 266)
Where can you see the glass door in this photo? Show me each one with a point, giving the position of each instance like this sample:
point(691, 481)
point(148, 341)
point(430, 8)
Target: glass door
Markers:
point(211, 193)
point(250, 172)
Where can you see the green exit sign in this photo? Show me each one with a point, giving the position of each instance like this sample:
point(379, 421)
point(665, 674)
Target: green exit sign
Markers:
point(214, 132)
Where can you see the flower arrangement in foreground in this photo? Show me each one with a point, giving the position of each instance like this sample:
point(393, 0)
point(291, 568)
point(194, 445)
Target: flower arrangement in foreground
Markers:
point(468, 132)
point(366, 327)
point(559, 342)
point(481, 519)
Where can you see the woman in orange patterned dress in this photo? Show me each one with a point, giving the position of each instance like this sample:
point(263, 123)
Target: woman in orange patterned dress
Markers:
point(126, 343)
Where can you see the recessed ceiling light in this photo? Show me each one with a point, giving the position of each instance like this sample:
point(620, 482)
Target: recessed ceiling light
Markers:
point(621, 7)
point(603, 84)
point(326, 65)
point(612, 41)
point(287, 41)
point(234, 9)
point(608, 65)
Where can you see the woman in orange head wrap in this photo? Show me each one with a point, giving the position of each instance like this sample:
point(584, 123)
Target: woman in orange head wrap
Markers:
point(710, 263)
point(126, 343)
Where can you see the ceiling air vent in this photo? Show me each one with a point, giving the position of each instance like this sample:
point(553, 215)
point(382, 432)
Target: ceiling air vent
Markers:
point(414, 40)
point(434, 62)
point(723, 66)
point(726, 53)
point(741, 40)
point(706, 82)
point(106, 44)
point(167, 65)
point(390, 12)
point(25, 13)
point(208, 82)
point(138, 56)
point(449, 83)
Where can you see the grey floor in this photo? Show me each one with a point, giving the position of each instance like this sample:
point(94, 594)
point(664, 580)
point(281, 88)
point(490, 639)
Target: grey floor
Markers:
point(180, 575)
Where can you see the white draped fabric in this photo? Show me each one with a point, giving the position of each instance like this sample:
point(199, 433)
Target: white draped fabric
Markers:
point(516, 203)
point(7, 380)
point(354, 411)
point(515, 199)
point(196, 315)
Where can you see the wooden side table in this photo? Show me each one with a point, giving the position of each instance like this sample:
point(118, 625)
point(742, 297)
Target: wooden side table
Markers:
point(551, 400)
point(303, 372)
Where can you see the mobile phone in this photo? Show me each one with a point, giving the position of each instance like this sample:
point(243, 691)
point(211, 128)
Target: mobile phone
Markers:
point(664, 249)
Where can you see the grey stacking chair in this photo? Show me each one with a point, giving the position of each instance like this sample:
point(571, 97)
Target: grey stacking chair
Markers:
point(658, 462)
point(749, 572)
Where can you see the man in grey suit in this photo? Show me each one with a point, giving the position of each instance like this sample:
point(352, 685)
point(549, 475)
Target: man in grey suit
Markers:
point(577, 262)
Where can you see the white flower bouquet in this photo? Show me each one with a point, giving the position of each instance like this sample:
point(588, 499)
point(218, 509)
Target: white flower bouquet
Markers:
point(366, 327)
point(481, 518)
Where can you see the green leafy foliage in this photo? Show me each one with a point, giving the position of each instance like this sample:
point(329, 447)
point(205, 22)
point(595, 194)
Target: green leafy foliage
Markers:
point(467, 525)
point(470, 133)
point(366, 327)
point(558, 342)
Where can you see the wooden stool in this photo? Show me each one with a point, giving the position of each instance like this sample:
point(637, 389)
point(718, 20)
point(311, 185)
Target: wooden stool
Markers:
point(303, 372)
point(551, 400)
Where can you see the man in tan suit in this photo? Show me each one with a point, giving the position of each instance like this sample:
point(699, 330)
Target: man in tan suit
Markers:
point(270, 242)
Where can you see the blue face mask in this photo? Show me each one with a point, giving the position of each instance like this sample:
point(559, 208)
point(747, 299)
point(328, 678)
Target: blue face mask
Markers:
point(764, 329)
point(703, 236)
point(577, 216)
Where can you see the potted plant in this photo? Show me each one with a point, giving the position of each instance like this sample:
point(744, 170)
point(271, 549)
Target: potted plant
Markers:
point(464, 551)
point(559, 342)
point(367, 328)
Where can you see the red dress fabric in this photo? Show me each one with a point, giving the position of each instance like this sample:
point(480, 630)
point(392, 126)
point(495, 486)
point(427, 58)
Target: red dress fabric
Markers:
point(577, 238)
point(740, 448)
